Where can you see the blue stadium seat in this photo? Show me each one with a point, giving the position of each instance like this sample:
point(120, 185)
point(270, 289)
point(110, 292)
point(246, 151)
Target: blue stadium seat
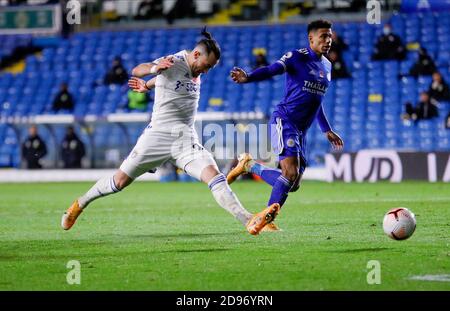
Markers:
point(85, 57)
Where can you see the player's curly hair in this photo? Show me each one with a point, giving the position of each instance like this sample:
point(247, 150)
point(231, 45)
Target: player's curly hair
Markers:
point(209, 43)
point(318, 24)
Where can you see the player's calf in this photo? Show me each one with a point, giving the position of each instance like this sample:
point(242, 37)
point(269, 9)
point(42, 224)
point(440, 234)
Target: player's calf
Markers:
point(296, 184)
point(102, 187)
point(225, 197)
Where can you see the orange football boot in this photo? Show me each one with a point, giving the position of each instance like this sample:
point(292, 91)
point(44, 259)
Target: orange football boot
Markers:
point(70, 216)
point(241, 168)
point(261, 219)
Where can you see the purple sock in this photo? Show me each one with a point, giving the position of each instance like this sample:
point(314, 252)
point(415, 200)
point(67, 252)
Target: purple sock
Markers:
point(269, 175)
point(280, 191)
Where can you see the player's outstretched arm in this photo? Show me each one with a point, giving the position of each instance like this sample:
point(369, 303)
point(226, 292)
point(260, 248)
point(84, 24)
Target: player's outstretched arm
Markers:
point(141, 86)
point(146, 69)
point(240, 76)
point(142, 70)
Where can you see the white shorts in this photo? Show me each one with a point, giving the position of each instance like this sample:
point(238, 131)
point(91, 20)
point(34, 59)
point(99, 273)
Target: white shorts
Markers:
point(180, 146)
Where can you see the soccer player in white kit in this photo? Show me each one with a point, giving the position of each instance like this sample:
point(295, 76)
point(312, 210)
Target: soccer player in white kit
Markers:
point(171, 136)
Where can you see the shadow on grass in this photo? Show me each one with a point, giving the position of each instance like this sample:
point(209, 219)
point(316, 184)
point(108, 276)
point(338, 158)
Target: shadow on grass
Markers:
point(361, 250)
point(180, 235)
point(205, 250)
point(97, 248)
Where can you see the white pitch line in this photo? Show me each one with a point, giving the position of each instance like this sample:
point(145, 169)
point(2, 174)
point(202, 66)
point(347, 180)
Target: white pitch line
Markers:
point(431, 277)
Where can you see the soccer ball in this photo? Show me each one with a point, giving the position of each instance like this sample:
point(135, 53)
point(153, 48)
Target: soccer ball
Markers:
point(399, 223)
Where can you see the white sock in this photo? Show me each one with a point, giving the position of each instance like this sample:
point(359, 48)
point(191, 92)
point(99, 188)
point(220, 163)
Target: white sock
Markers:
point(227, 199)
point(103, 187)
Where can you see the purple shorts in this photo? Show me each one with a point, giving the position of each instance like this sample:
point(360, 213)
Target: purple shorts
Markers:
point(287, 140)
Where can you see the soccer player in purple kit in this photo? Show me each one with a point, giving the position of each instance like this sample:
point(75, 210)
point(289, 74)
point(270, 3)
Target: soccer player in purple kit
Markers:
point(308, 75)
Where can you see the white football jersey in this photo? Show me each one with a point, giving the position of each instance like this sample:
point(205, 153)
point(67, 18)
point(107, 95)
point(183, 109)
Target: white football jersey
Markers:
point(176, 94)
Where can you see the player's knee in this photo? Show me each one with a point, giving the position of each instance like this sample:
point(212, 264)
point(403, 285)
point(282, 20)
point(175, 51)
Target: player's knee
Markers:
point(120, 183)
point(121, 180)
point(296, 184)
point(208, 173)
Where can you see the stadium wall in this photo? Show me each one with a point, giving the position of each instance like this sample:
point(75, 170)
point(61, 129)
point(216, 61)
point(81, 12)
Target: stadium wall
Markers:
point(388, 165)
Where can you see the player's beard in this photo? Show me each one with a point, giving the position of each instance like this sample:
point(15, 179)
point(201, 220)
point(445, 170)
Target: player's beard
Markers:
point(195, 74)
point(194, 71)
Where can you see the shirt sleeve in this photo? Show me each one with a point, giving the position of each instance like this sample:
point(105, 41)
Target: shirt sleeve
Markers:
point(167, 71)
point(288, 59)
point(156, 61)
point(323, 121)
point(285, 63)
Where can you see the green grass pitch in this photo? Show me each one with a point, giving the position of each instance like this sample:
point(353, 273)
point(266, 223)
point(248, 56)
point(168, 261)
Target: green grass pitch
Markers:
point(174, 236)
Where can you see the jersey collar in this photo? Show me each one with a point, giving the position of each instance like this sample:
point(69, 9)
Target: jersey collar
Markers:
point(313, 54)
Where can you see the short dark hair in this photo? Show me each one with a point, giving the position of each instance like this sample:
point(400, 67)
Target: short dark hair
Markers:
point(210, 44)
point(318, 24)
